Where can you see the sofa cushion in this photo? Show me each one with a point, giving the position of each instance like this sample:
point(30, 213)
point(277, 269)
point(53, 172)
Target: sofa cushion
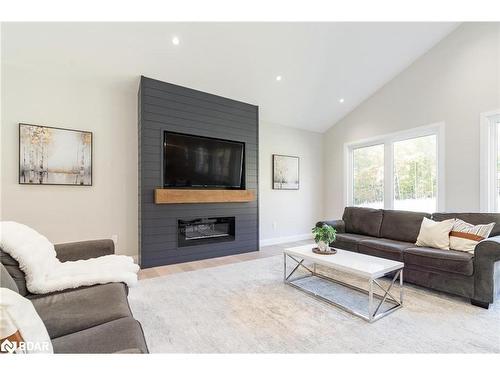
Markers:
point(361, 220)
point(119, 335)
point(384, 248)
point(338, 225)
point(348, 241)
point(77, 309)
point(402, 225)
point(452, 261)
point(12, 267)
point(472, 218)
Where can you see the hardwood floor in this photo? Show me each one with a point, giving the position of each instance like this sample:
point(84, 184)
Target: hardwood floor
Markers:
point(265, 251)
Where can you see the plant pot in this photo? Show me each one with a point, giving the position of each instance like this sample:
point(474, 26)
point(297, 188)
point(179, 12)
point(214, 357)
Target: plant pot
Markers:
point(323, 246)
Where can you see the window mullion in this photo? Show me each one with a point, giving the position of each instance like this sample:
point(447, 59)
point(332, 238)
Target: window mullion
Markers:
point(388, 175)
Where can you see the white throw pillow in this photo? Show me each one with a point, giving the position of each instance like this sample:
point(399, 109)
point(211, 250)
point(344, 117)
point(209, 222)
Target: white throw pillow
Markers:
point(21, 329)
point(465, 236)
point(435, 233)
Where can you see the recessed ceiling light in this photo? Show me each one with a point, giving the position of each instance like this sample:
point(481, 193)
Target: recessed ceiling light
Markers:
point(341, 100)
point(278, 78)
point(175, 41)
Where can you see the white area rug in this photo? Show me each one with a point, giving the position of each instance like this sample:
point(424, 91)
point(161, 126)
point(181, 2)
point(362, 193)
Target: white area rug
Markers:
point(246, 308)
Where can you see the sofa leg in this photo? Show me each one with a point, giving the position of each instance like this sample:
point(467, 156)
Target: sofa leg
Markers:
point(484, 305)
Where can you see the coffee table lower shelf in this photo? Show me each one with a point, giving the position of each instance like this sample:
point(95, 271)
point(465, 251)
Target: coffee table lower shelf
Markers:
point(373, 313)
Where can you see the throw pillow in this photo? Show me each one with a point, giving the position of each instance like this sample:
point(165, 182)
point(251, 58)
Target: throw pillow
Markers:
point(21, 329)
point(465, 236)
point(435, 233)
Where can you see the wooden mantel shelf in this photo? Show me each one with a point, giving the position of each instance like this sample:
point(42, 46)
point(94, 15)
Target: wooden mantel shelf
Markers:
point(171, 196)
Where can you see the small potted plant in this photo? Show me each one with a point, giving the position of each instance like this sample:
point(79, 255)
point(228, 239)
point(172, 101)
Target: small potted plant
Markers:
point(323, 236)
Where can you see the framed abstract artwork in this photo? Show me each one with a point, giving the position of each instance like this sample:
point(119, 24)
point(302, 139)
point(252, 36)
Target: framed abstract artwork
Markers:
point(285, 172)
point(54, 156)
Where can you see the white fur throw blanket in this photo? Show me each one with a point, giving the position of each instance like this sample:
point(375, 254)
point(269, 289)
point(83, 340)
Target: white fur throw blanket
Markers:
point(18, 315)
point(45, 273)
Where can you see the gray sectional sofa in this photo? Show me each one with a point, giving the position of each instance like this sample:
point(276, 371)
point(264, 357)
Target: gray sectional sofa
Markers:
point(95, 319)
point(392, 234)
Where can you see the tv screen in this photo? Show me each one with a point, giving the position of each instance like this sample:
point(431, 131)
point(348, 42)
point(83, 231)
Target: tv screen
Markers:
point(202, 162)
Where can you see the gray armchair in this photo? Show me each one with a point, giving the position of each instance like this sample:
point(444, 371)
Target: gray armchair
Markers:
point(91, 319)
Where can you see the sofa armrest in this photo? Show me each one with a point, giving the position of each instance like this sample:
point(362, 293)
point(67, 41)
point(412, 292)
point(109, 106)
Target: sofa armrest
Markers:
point(84, 250)
point(486, 280)
point(338, 225)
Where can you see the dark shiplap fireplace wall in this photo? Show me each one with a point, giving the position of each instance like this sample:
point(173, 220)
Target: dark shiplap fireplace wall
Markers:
point(164, 106)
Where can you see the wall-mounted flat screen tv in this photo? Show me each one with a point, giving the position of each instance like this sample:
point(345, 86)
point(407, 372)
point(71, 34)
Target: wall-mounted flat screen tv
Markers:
point(201, 162)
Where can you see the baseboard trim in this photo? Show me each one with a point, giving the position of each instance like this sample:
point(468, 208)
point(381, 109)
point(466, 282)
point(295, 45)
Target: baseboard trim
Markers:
point(278, 240)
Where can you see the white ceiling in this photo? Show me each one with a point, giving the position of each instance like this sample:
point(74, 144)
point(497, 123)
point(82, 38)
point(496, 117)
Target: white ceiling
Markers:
point(319, 62)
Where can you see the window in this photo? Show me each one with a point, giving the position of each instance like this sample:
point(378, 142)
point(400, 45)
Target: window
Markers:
point(415, 174)
point(368, 176)
point(400, 171)
point(490, 161)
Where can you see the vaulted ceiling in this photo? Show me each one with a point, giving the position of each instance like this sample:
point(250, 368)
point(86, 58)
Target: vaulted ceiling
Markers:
point(325, 69)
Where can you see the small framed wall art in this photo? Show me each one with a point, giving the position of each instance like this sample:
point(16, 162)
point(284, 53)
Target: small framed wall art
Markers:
point(54, 156)
point(285, 172)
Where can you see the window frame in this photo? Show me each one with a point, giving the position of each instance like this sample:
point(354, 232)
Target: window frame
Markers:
point(388, 140)
point(488, 163)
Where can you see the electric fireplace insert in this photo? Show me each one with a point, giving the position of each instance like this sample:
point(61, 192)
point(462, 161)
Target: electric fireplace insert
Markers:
point(205, 230)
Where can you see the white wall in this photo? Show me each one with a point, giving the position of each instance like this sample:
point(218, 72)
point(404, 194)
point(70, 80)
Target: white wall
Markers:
point(454, 82)
point(294, 212)
point(107, 108)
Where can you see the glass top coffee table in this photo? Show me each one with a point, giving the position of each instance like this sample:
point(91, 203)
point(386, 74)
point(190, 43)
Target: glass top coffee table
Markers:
point(363, 266)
